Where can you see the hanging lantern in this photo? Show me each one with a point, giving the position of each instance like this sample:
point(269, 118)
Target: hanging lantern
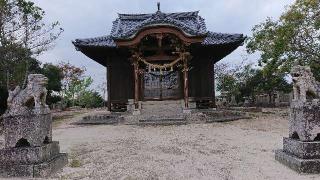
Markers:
point(171, 68)
point(149, 68)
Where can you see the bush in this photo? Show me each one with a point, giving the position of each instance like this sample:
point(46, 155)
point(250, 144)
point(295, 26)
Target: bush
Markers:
point(90, 99)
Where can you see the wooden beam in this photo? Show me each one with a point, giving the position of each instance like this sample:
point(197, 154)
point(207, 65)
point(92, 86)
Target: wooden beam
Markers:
point(161, 58)
point(160, 30)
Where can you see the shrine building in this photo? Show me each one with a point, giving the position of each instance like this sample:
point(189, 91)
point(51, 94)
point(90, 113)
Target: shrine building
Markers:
point(160, 56)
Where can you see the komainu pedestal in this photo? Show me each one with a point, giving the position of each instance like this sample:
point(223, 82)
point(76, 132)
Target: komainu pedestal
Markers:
point(301, 151)
point(29, 150)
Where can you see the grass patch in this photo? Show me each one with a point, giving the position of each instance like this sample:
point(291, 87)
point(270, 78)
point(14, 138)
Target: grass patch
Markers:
point(75, 163)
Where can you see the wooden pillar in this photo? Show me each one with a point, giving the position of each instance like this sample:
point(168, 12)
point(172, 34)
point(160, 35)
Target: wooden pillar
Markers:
point(185, 82)
point(109, 86)
point(136, 83)
point(213, 90)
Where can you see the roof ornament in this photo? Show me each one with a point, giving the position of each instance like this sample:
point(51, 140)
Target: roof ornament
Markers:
point(158, 4)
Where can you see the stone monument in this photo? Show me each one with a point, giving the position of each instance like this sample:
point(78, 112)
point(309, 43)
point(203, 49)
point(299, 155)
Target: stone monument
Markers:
point(29, 150)
point(301, 150)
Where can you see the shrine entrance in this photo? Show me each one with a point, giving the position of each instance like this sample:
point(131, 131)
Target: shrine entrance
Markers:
point(162, 86)
point(160, 65)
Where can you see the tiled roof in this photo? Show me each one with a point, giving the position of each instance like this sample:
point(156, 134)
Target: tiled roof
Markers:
point(103, 41)
point(223, 38)
point(211, 39)
point(127, 25)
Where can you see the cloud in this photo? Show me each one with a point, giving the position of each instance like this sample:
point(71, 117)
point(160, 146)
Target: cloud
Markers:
point(83, 19)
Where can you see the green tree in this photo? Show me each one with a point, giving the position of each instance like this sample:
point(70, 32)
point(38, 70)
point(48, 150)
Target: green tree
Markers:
point(54, 75)
point(23, 36)
point(77, 89)
point(237, 80)
point(90, 99)
point(72, 77)
point(295, 36)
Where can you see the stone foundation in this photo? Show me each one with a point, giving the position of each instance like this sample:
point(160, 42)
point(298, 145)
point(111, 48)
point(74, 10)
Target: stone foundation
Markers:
point(303, 157)
point(301, 151)
point(32, 161)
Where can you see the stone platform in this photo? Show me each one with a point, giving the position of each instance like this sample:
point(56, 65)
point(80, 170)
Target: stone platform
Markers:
point(165, 121)
point(303, 157)
point(99, 119)
point(32, 161)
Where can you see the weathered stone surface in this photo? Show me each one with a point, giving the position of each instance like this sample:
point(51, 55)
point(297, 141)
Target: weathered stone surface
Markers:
point(29, 155)
point(49, 167)
point(29, 150)
point(33, 97)
point(165, 121)
point(300, 149)
point(297, 164)
point(304, 122)
point(36, 129)
point(304, 84)
point(108, 119)
point(44, 169)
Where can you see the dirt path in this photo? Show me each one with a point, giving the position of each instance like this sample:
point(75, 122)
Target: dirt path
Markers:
point(237, 150)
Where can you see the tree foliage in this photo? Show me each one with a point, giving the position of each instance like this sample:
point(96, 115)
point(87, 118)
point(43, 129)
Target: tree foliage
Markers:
point(75, 87)
point(54, 75)
point(21, 23)
point(23, 36)
point(90, 99)
point(246, 81)
point(295, 36)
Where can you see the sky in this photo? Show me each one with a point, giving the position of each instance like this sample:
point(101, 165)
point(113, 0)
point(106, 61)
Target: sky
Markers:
point(92, 18)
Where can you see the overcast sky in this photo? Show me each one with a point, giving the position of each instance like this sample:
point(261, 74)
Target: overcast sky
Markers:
point(91, 18)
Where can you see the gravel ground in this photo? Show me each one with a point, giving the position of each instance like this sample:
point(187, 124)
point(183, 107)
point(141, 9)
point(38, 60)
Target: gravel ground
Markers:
point(242, 149)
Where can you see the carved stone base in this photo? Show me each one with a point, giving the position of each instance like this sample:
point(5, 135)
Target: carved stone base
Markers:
point(303, 157)
point(34, 128)
point(297, 164)
point(32, 161)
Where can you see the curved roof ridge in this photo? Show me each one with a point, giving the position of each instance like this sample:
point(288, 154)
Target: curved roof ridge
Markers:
point(101, 41)
point(216, 38)
point(127, 25)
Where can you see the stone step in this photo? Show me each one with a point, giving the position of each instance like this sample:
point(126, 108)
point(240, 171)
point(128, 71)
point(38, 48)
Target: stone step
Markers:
point(97, 119)
point(155, 121)
point(168, 102)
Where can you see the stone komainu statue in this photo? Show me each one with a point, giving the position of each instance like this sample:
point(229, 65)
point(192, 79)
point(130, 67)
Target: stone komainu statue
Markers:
point(29, 150)
point(33, 97)
point(28, 118)
point(304, 123)
point(301, 150)
point(304, 83)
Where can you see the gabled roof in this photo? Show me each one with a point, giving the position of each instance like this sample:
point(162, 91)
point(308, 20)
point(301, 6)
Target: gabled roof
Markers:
point(127, 25)
point(211, 39)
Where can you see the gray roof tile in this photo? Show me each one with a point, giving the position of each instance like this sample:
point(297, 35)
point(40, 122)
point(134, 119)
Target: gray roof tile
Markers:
point(127, 25)
point(211, 39)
